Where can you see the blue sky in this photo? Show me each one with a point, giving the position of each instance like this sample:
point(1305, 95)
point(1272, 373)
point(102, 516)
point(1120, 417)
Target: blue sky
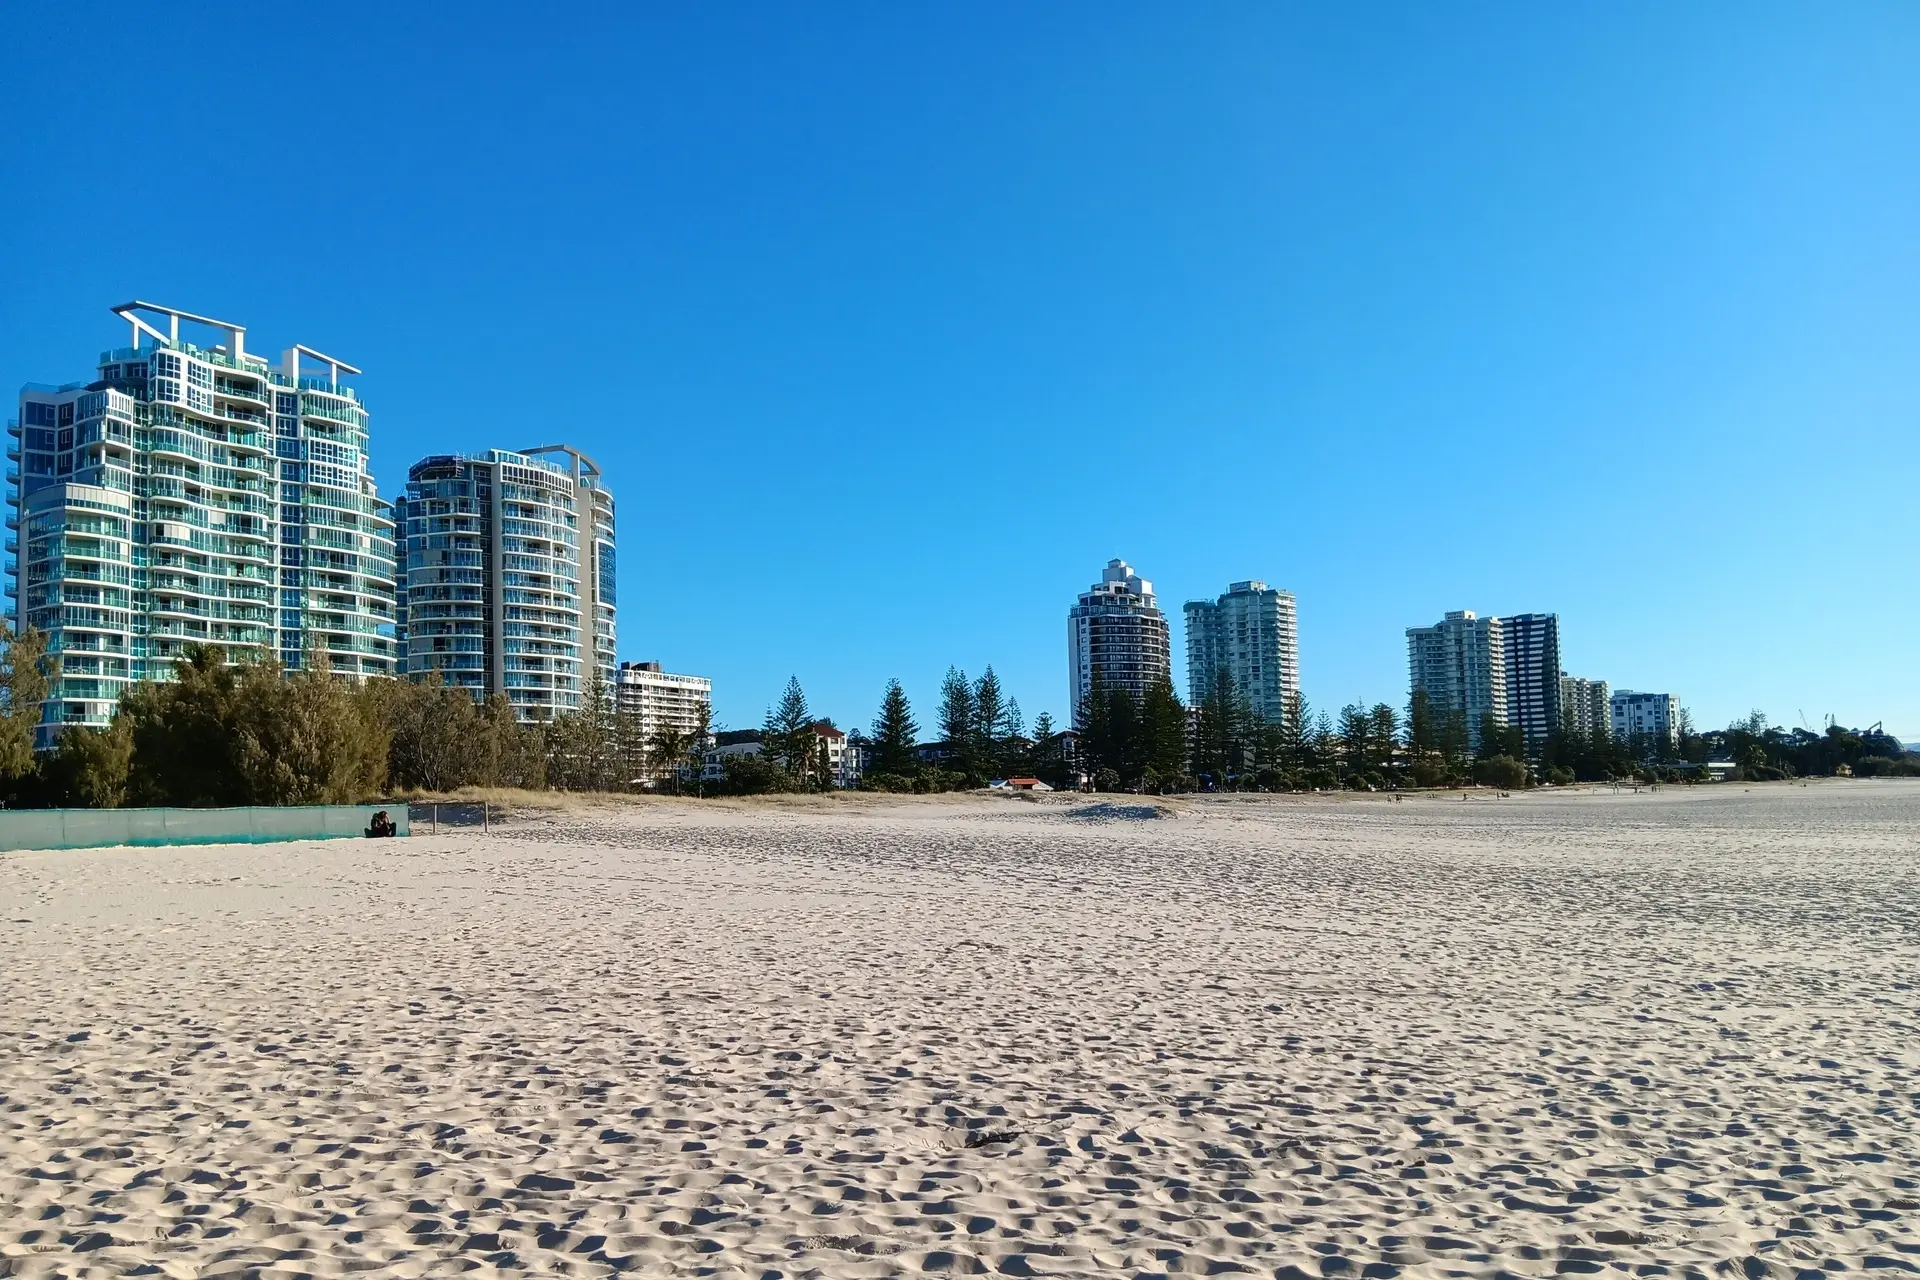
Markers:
point(893, 323)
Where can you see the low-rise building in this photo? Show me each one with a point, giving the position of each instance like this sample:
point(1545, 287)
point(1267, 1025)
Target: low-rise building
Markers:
point(713, 761)
point(843, 759)
point(1645, 715)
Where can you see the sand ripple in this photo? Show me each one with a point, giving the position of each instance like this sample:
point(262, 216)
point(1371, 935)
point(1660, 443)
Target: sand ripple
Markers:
point(1655, 1035)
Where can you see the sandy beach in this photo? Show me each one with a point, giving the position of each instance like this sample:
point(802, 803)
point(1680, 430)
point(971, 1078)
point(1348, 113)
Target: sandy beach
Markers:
point(1669, 1034)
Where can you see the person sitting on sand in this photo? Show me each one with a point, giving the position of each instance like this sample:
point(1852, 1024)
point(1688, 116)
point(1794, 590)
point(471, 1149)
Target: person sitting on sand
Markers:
point(382, 825)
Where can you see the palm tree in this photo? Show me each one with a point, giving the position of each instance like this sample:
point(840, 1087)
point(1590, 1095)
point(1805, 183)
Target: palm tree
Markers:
point(668, 752)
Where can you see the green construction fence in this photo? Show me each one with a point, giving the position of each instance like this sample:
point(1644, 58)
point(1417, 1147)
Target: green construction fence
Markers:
point(256, 824)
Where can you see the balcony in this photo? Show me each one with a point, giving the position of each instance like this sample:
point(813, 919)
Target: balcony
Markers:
point(233, 391)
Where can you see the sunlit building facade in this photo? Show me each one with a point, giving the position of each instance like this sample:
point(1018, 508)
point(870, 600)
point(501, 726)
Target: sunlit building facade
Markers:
point(1117, 634)
point(1459, 664)
point(498, 553)
point(189, 494)
point(1251, 633)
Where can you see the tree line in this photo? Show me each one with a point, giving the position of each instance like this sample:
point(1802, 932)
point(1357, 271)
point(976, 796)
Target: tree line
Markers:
point(983, 736)
point(1152, 742)
point(254, 733)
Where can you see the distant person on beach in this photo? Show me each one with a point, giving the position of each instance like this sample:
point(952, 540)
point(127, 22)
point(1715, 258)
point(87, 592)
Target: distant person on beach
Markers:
point(382, 825)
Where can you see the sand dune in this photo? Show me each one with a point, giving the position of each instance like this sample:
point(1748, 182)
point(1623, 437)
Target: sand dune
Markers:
point(1654, 1034)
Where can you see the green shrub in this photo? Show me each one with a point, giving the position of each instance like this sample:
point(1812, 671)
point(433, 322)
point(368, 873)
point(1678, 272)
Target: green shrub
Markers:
point(1500, 771)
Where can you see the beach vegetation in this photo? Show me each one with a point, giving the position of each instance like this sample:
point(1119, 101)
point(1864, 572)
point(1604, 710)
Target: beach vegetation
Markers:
point(894, 735)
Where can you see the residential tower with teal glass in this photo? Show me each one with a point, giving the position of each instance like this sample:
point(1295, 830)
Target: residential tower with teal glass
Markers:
point(195, 494)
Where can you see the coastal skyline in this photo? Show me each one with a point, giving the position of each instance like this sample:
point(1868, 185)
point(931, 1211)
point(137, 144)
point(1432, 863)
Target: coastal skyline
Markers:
point(1601, 339)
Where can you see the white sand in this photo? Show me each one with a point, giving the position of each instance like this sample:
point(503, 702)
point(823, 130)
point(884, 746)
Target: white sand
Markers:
point(1358, 1038)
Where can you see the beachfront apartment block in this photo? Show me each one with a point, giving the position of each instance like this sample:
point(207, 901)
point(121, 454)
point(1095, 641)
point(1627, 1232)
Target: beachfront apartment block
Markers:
point(1645, 715)
point(193, 493)
point(658, 699)
point(1530, 644)
point(843, 756)
point(1585, 705)
point(1117, 633)
point(593, 510)
point(498, 592)
point(1459, 663)
point(1252, 634)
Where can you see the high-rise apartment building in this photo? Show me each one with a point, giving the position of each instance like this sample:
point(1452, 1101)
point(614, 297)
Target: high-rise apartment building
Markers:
point(1584, 706)
point(593, 508)
point(1117, 632)
point(1460, 665)
point(1645, 715)
point(492, 567)
point(1251, 633)
point(659, 699)
point(1531, 654)
point(196, 494)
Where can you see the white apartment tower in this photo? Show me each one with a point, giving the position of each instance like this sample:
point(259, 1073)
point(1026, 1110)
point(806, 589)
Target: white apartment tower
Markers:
point(593, 511)
point(1116, 632)
point(491, 572)
point(1251, 633)
point(1645, 715)
point(1459, 663)
point(658, 699)
point(196, 494)
point(1531, 652)
point(1584, 706)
